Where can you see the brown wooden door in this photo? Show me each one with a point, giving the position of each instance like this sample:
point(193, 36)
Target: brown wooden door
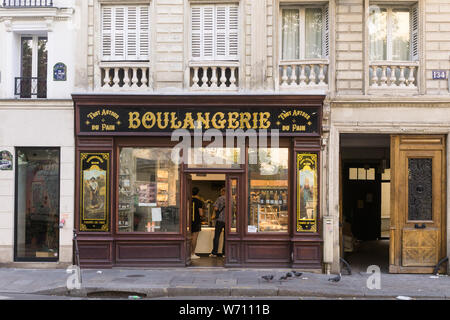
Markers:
point(417, 202)
point(188, 217)
point(233, 218)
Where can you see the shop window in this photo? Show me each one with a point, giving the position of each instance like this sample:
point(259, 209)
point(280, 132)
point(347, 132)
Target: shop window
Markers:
point(268, 188)
point(125, 33)
point(209, 157)
point(37, 204)
point(149, 191)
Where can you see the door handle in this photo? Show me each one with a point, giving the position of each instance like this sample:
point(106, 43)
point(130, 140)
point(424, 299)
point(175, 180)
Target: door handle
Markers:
point(423, 226)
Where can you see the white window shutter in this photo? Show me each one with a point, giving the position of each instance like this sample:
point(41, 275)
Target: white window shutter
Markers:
point(233, 33)
point(132, 33)
point(326, 32)
point(208, 29)
point(119, 33)
point(214, 32)
point(221, 32)
point(414, 26)
point(107, 33)
point(144, 33)
point(196, 33)
point(227, 24)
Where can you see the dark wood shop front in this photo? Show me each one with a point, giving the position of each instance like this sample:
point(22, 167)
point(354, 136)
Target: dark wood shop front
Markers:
point(133, 200)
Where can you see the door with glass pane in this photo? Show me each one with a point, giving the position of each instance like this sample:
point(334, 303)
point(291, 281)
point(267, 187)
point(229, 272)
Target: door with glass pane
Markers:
point(233, 219)
point(189, 216)
point(37, 204)
point(32, 82)
point(418, 203)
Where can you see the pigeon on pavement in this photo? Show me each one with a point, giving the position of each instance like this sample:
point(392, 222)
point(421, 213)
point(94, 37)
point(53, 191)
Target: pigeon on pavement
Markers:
point(335, 279)
point(297, 274)
point(268, 277)
point(282, 278)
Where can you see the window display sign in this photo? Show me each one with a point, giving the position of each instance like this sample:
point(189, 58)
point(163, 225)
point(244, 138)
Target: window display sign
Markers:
point(6, 160)
point(307, 192)
point(94, 207)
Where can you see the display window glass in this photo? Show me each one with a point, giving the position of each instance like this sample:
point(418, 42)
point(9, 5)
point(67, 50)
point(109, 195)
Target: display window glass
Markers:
point(37, 204)
point(210, 157)
point(149, 191)
point(268, 187)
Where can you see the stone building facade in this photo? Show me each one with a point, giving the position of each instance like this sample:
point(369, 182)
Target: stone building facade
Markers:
point(376, 78)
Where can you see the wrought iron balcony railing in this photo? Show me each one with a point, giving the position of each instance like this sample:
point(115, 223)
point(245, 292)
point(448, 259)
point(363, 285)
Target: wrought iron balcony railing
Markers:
point(27, 87)
point(27, 3)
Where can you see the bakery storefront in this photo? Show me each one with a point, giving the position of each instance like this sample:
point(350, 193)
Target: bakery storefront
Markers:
point(138, 158)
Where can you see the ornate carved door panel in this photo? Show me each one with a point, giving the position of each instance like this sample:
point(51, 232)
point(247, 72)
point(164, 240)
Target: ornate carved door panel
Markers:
point(418, 203)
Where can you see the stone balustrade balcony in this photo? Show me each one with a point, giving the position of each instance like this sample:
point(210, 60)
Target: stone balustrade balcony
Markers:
point(214, 76)
point(125, 76)
point(27, 3)
point(304, 74)
point(393, 75)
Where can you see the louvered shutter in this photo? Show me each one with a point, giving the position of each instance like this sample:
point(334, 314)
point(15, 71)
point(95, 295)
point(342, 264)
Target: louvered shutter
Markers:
point(226, 32)
point(221, 32)
point(414, 26)
point(107, 33)
point(196, 33)
point(214, 32)
point(233, 33)
point(326, 32)
point(118, 43)
point(144, 33)
point(132, 33)
point(208, 33)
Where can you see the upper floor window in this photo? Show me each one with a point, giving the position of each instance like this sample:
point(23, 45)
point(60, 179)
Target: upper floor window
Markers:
point(214, 32)
point(393, 33)
point(125, 33)
point(32, 82)
point(304, 33)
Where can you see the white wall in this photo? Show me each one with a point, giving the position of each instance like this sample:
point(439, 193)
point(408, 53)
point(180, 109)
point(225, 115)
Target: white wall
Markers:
point(43, 124)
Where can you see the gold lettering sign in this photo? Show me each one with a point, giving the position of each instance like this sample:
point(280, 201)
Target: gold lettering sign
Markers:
point(288, 120)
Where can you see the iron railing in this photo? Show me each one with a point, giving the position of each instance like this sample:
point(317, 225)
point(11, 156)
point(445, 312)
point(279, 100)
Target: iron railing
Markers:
point(28, 87)
point(27, 3)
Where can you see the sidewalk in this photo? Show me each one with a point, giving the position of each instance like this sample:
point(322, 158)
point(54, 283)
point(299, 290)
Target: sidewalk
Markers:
point(173, 282)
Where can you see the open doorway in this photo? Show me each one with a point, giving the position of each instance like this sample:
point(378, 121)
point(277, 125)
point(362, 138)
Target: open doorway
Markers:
point(208, 186)
point(365, 196)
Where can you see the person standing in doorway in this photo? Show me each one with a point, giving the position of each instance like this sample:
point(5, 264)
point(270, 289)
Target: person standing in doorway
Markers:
point(196, 225)
point(219, 208)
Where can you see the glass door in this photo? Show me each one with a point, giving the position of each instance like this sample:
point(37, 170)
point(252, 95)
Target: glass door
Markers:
point(188, 217)
point(37, 204)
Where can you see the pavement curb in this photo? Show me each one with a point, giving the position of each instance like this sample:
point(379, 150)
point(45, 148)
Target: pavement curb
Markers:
point(183, 291)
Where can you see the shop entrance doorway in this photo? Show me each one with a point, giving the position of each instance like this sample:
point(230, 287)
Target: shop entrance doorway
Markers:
point(206, 239)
